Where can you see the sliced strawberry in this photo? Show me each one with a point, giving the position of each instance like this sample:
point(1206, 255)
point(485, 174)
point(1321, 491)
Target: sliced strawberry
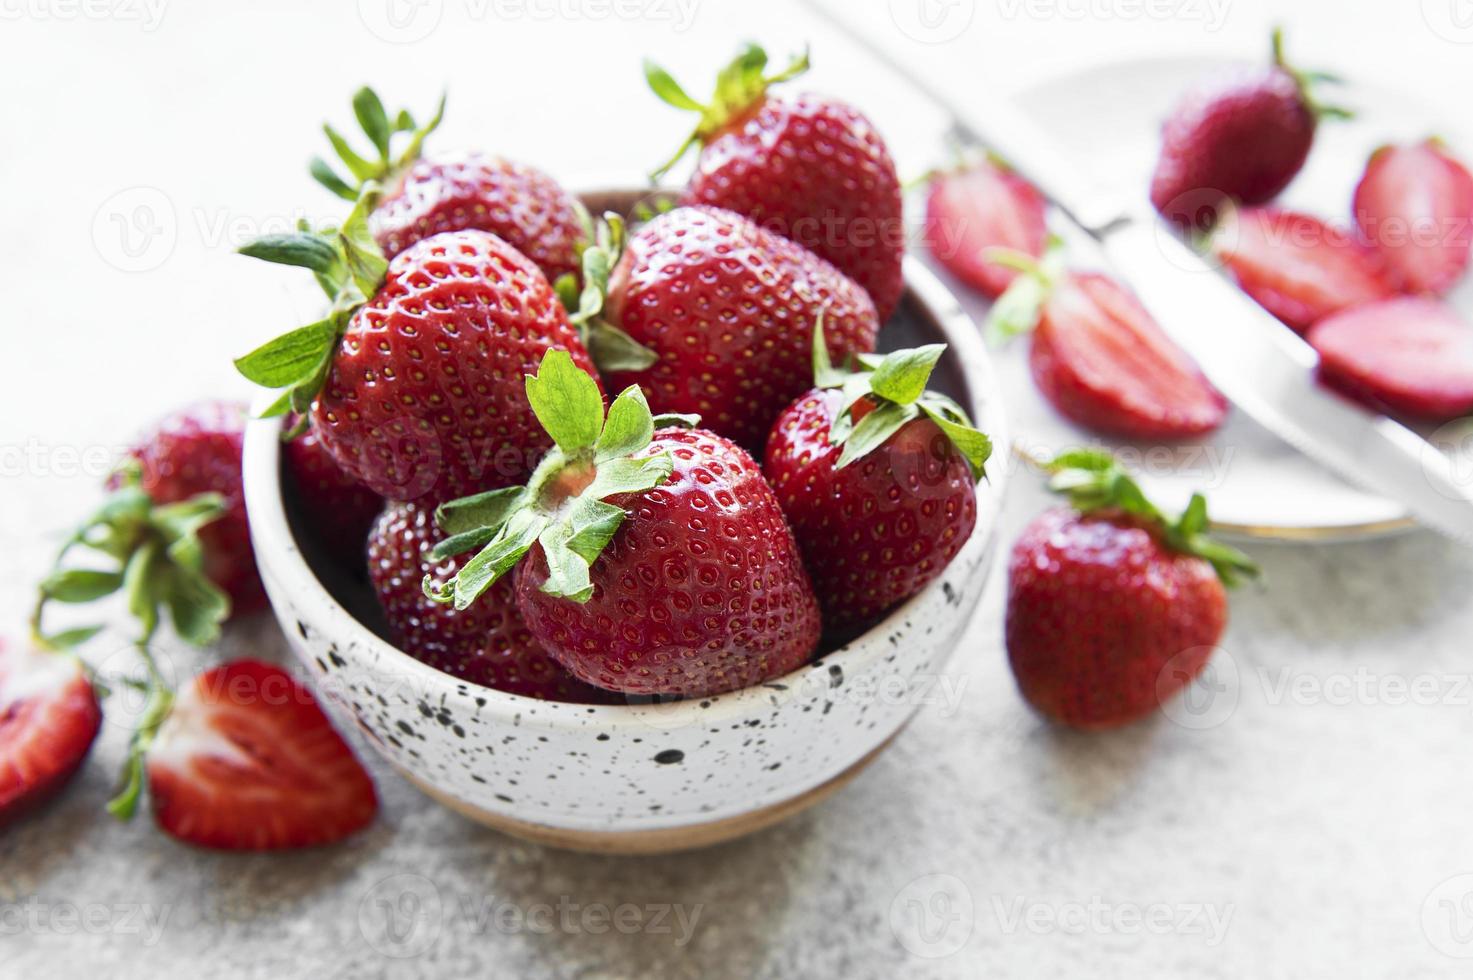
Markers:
point(247, 761)
point(1414, 206)
point(1408, 356)
point(1298, 267)
point(1101, 360)
point(48, 719)
point(986, 206)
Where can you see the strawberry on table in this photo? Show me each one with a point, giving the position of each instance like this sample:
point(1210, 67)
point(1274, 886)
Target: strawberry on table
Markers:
point(1099, 357)
point(1113, 607)
point(725, 312)
point(808, 167)
point(1414, 206)
point(452, 192)
point(652, 558)
point(49, 718)
point(486, 643)
point(1409, 356)
point(1298, 267)
point(338, 507)
point(413, 380)
point(979, 207)
point(877, 477)
point(1240, 138)
point(243, 759)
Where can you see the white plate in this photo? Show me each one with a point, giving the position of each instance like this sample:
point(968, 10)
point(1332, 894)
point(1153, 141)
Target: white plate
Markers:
point(1257, 485)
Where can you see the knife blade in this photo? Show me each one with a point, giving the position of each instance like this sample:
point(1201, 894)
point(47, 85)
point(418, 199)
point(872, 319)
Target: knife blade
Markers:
point(1262, 367)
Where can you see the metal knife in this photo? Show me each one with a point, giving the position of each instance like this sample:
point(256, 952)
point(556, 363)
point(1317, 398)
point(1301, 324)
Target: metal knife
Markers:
point(1264, 368)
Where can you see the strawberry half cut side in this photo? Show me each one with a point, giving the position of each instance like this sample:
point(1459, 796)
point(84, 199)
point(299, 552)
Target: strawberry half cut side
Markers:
point(49, 718)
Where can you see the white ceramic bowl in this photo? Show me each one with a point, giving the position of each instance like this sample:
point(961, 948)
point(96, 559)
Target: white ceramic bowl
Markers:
point(636, 778)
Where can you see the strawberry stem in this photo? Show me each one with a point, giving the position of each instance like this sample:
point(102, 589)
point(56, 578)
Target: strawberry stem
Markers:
point(124, 802)
point(1307, 80)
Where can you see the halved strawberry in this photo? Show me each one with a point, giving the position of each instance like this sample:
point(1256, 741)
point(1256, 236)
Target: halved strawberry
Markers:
point(985, 206)
point(246, 760)
point(1298, 267)
point(1414, 206)
point(48, 720)
point(1408, 355)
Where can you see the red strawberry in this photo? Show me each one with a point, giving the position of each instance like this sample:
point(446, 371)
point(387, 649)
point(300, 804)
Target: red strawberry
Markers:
point(48, 720)
point(485, 644)
point(1114, 610)
point(1409, 356)
point(982, 207)
point(1414, 206)
point(1242, 137)
point(657, 559)
point(807, 167)
point(338, 507)
point(877, 478)
point(727, 310)
point(418, 391)
point(247, 761)
point(1296, 266)
point(1099, 357)
point(519, 204)
point(198, 450)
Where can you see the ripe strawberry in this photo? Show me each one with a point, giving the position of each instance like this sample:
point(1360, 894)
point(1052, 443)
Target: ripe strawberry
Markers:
point(338, 507)
point(726, 310)
point(48, 720)
point(1099, 357)
point(519, 204)
point(1414, 206)
point(245, 760)
point(877, 478)
point(657, 558)
point(1115, 609)
point(1242, 137)
point(486, 643)
point(807, 167)
point(1409, 356)
point(1296, 266)
point(416, 392)
point(978, 208)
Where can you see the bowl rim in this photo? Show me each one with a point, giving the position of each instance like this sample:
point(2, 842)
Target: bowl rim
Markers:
point(277, 550)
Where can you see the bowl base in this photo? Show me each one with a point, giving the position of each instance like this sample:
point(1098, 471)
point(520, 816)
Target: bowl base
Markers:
point(663, 841)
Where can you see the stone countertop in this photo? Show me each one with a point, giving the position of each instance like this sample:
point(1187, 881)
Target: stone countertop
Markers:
point(1308, 820)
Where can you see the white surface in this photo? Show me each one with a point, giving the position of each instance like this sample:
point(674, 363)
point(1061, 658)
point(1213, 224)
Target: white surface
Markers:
point(1334, 824)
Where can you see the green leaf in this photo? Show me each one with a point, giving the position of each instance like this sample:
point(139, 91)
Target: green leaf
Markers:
point(628, 428)
point(196, 606)
point(497, 558)
point(614, 350)
point(567, 572)
point(155, 711)
point(1016, 311)
point(416, 142)
point(139, 585)
point(68, 639)
point(360, 168)
point(306, 251)
point(592, 526)
point(328, 178)
point(75, 585)
point(630, 476)
point(360, 251)
point(479, 511)
point(902, 376)
point(404, 122)
point(676, 420)
point(974, 446)
point(291, 358)
point(669, 90)
point(373, 119)
point(566, 401)
point(872, 431)
point(824, 373)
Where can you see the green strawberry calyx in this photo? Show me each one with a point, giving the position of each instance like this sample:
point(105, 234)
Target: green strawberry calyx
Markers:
point(741, 85)
point(383, 166)
point(1093, 480)
point(151, 554)
point(350, 268)
point(1017, 310)
point(610, 347)
point(895, 386)
point(1308, 81)
point(564, 505)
